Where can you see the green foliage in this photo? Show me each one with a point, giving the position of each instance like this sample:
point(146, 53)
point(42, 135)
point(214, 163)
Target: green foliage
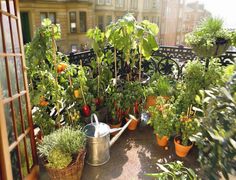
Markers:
point(69, 140)
point(162, 118)
point(132, 92)
point(146, 33)
point(196, 77)
point(187, 127)
point(58, 160)
point(159, 86)
point(174, 171)
point(206, 35)
point(217, 141)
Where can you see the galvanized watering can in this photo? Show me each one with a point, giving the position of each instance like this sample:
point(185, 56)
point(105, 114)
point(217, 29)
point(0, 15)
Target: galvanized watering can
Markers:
point(98, 141)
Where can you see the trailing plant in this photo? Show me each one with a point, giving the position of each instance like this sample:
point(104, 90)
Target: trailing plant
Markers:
point(174, 171)
point(162, 117)
point(217, 140)
point(207, 35)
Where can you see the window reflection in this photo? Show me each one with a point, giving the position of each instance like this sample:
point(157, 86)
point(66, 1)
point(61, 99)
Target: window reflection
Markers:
point(7, 34)
point(3, 77)
point(9, 122)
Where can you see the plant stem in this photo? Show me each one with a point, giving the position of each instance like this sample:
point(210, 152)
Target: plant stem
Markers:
point(54, 54)
point(140, 66)
point(115, 65)
point(98, 67)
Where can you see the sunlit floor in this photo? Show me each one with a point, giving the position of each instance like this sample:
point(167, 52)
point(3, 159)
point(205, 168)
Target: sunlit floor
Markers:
point(134, 154)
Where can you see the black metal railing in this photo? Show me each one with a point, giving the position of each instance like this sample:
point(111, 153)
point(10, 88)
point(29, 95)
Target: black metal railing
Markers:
point(166, 60)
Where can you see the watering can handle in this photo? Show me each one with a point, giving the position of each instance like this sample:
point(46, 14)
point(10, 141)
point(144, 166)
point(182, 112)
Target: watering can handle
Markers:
point(94, 117)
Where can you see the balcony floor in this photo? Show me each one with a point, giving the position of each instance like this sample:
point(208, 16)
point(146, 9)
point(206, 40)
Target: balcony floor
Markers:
point(134, 154)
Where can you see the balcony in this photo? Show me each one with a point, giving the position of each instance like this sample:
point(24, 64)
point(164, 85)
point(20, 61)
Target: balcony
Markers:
point(126, 109)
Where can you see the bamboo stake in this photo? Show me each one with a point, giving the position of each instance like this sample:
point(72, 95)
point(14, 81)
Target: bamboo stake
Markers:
point(54, 54)
point(140, 66)
point(81, 88)
point(115, 61)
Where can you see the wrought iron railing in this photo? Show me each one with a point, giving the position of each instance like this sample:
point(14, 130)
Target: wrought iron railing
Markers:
point(166, 60)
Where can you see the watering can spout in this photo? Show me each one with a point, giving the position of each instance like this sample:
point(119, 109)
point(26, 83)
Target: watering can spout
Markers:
point(113, 140)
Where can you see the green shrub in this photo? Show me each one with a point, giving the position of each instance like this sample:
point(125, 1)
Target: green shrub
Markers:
point(69, 140)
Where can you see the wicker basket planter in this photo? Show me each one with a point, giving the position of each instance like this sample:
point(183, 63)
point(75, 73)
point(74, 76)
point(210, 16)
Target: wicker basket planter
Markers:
point(72, 172)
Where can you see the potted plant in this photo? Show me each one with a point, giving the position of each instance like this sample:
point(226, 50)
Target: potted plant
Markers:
point(113, 104)
point(63, 153)
point(162, 120)
point(158, 86)
point(187, 126)
point(173, 170)
point(132, 102)
point(209, 39)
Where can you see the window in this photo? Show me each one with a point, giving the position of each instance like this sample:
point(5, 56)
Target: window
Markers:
point(101, 22)
point(108, 2)
point(154, 4)
point(49, 15)
point(104, 2)
point(146, 4)
point(100, 1)
point(83, 21)
point(133, 4)
point(73, 25)
point(145, 17)
point(120, 3)
point(74, 48)
point(109, 20)
point(154, 19)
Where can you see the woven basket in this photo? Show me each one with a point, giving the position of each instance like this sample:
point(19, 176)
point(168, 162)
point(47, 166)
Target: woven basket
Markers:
point(72, 172)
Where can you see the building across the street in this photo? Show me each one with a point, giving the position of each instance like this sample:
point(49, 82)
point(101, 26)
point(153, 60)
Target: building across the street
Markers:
point(77, 16)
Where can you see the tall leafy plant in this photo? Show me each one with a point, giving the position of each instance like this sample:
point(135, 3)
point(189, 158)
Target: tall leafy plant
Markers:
point(145, 37)
point(121, 35)
point(98, 39)
point(217, 141)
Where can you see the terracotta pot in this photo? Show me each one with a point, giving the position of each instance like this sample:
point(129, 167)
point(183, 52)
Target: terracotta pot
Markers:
point(133, 125)
point(162, 141)
point(115, 126)
point(181, 150)
point(151, 101)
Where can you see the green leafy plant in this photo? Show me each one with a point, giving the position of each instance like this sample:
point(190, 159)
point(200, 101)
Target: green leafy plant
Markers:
point(207, 36)
point(196, 77)
point(187, 126)
point(68, 140)
point(174, 171)
point(162, 118)
point(98, 40)
point(159, 86)
point(217, 140)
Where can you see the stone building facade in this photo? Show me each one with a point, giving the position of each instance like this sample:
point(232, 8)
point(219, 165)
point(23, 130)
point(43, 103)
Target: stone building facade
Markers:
point(77, 16)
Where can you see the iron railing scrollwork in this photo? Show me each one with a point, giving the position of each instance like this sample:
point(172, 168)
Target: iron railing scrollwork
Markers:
point(167, 60)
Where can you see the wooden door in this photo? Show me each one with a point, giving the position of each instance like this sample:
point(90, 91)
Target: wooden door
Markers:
point(17, 144)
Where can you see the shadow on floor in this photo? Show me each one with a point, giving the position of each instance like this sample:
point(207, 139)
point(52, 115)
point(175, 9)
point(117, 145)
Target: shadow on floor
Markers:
point(134, 154)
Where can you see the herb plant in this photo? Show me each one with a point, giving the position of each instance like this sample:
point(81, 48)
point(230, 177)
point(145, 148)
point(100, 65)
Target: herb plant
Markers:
point(174, 171)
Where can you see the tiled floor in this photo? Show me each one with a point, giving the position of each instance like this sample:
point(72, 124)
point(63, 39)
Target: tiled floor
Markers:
point(134, 154)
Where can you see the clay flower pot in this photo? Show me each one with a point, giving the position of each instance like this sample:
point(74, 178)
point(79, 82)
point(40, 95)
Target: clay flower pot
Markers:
point(112, 126)
point(181, 150)
point(151, 101)
point(162, 141)
point(133, 125)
